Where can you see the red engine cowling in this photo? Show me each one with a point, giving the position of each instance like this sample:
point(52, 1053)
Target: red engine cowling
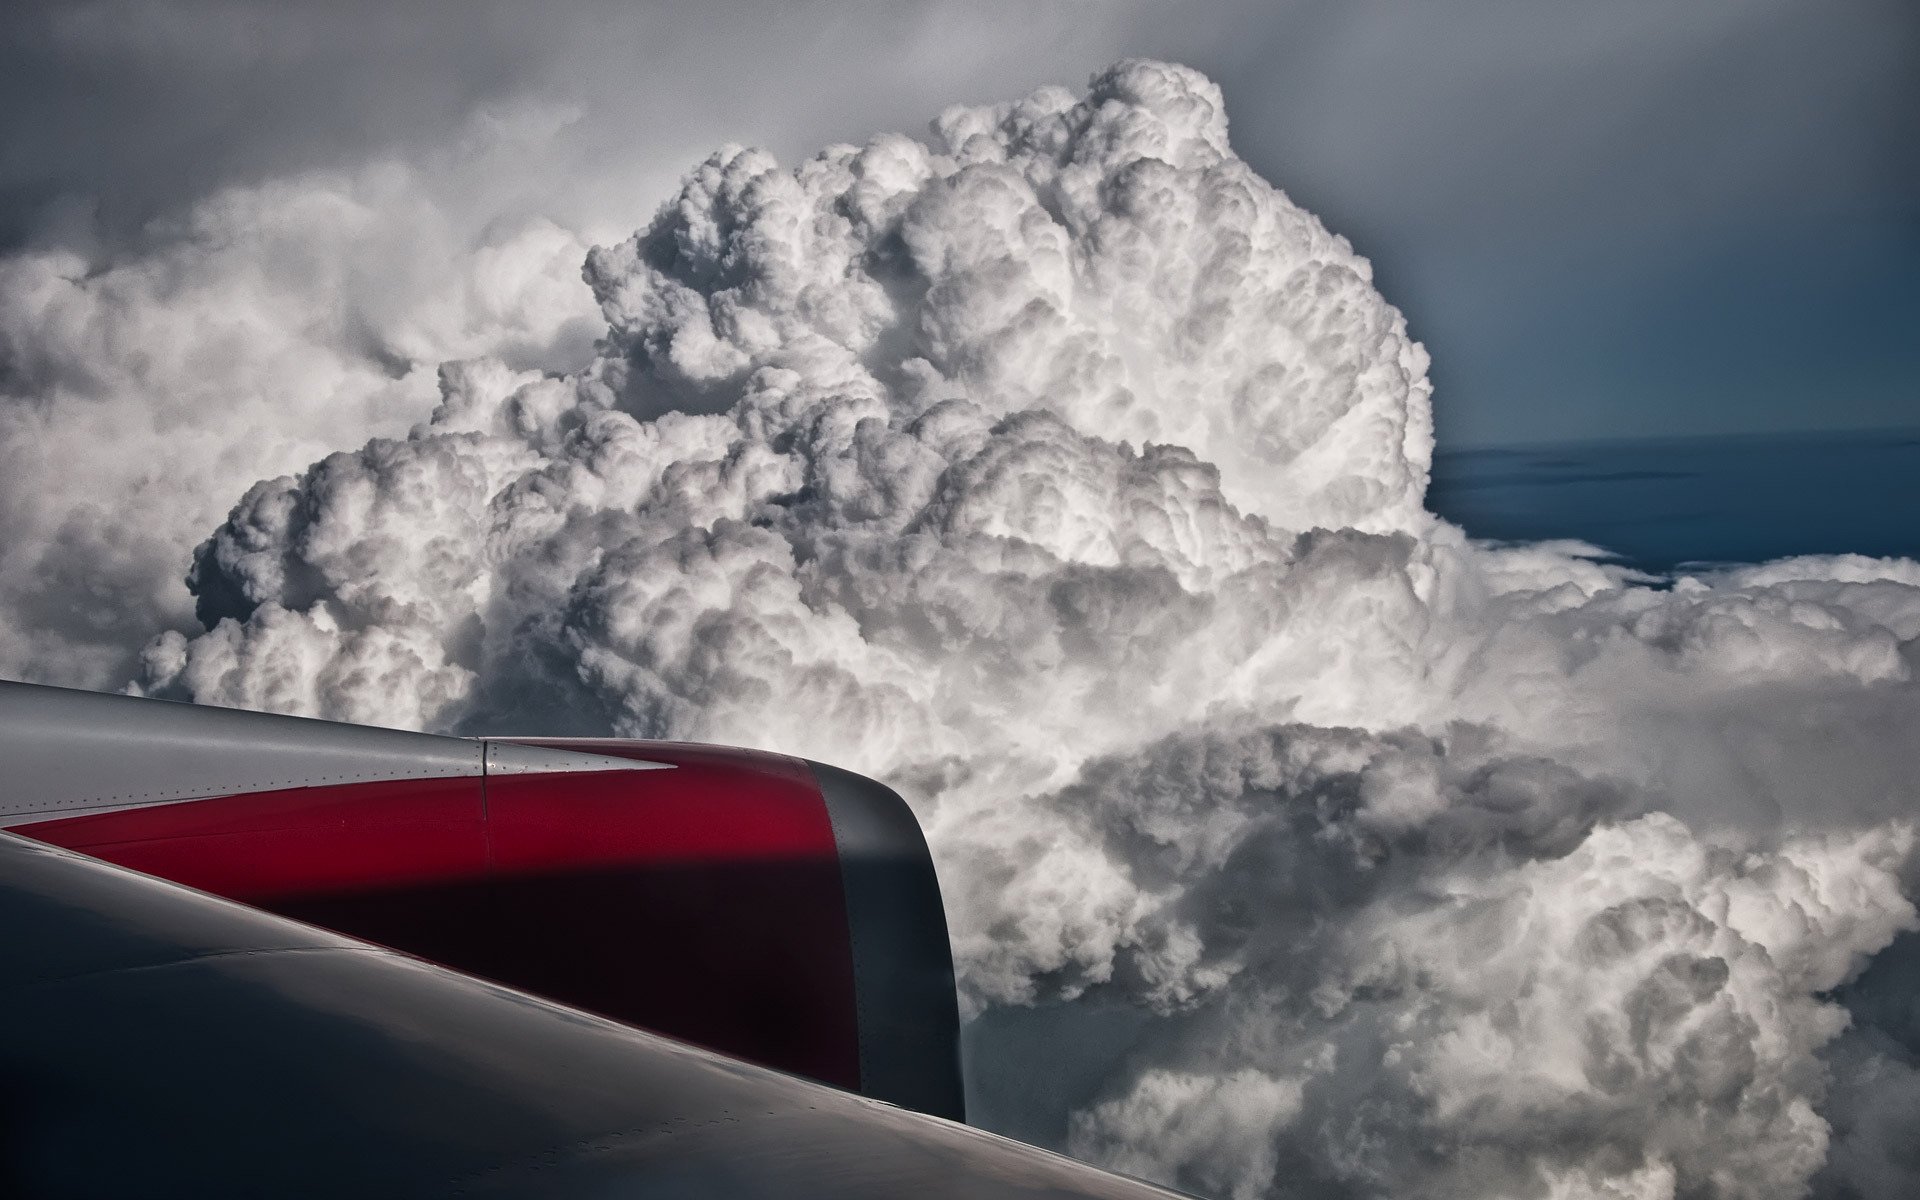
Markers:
point(772, 908)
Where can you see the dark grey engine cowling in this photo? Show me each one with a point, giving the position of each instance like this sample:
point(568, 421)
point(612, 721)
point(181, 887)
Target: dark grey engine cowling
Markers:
point(902, 964)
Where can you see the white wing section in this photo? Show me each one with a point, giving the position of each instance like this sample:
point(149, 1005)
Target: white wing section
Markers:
point(67, 752)
point(512, 758)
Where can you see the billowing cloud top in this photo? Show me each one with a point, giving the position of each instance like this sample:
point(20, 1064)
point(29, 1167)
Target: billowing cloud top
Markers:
point(1062, 471)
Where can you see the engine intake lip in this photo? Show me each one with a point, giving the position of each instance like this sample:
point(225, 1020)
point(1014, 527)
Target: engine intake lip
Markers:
point(909, 1012)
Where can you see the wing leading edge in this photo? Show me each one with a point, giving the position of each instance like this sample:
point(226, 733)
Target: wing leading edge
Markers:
point(156, 1041)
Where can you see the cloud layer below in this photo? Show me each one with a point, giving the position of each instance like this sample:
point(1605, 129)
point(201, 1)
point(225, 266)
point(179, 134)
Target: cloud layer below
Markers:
point(1060, 470)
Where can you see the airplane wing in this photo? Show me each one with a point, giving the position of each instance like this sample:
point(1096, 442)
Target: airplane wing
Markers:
point(501, 919)
point(156, 1041)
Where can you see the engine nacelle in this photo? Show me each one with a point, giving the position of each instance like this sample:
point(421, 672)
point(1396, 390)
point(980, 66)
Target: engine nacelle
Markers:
point(772, 908)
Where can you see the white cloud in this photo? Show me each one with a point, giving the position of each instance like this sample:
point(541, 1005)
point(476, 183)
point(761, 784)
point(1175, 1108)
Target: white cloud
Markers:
point(1066, 474)
point(141, 391)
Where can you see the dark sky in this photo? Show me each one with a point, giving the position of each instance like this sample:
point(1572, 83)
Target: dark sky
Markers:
point(1605, 218)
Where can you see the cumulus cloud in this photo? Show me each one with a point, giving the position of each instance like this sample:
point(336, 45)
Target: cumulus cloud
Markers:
point(1062, 471)
point(140, 388)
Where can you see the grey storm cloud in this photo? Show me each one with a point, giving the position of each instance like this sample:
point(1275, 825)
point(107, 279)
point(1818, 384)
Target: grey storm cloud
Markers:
point(1062, 471)
point(238, 235)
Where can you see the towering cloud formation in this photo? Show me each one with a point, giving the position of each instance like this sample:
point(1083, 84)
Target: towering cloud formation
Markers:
point(1063, 472)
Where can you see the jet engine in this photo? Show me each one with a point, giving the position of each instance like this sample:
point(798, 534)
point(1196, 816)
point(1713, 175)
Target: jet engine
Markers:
point(775, 909)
